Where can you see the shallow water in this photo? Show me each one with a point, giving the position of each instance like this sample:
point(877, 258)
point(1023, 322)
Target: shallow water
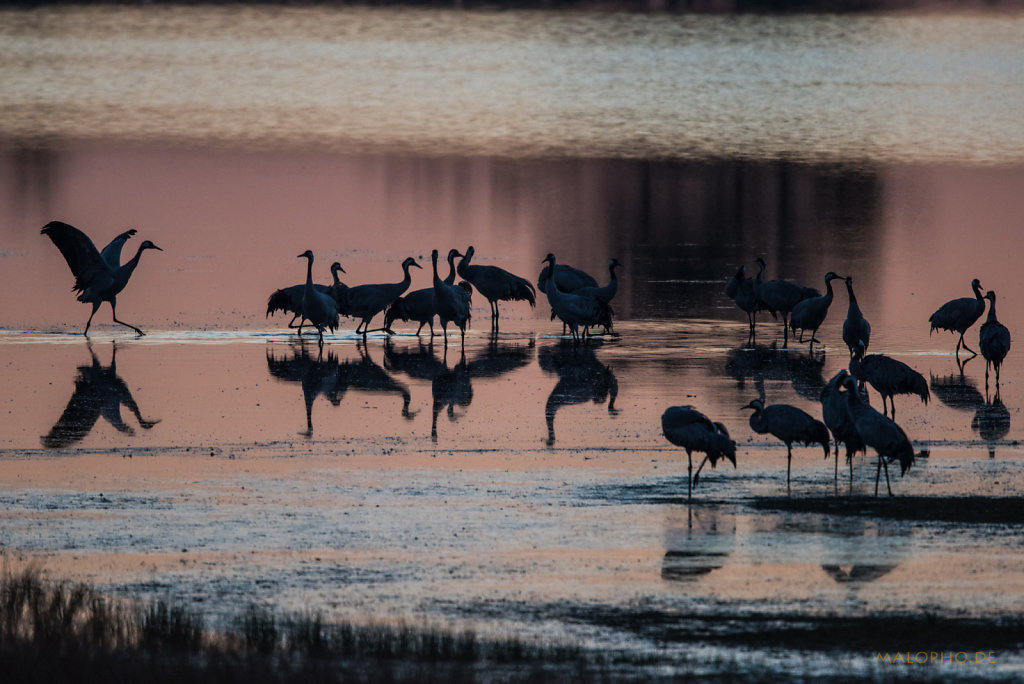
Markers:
point(524, 486)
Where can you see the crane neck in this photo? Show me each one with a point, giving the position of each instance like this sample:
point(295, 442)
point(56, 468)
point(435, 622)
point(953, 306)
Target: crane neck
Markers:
point(992, 311)
point(450, 280)
point(309, 273)
point(976, 286)
point(437, 279)
point(465, 261)
point(611, 271)
point(828, 289)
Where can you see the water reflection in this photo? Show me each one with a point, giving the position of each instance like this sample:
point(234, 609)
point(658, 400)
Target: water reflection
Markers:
point(451, 385)
point(992, 422)
point(581, 378)
point(700, 547)
point(318, 376)
point(332, 378)
point(860, 550)
point(760, 363)
point(957, 392)
point(99, 391)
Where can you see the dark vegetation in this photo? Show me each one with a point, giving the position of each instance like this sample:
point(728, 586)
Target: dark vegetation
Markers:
point(52, 632)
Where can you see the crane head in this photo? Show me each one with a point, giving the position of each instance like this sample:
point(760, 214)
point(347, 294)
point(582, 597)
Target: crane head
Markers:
point(452, 253)
point(337, 267)
point(308, 254)
point(148, 245)
point(550, 258)
point(409, 261)
point(756, 404)
point(990, 295)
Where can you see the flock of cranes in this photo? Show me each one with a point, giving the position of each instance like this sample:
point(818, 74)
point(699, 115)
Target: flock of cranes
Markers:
point(847, 417)
point(581, 304)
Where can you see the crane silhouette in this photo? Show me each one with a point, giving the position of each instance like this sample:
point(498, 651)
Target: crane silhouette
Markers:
point(740, 289)
point(569, 279)
point(856, 328)
point(572, 309)
point(957, 315)
point(418, 305)
point(366, 301)
point(99, 276)
point(880, 433)
point(687, 427)
point(888, 376)
point(319, 308)
point(836, 416)
point(993, 340)
point(451, 303)
point(780, 296)
point(604, 294)
point(289, 299)
point(809, 314)
point(495, 284)
point(99, 391)
point(790, 424)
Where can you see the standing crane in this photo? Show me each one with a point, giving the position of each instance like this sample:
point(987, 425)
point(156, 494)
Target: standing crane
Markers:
point(99, 276)
point(604, 294)
point(366, 301)
point(319, 308)
point(780, 296)
point(740, 289)
point(572, 309)
point(836, 416)
point(289, 299)
point(451, 303)
point(880, 433)
point(790, 424)
point(687, 427)
point(994, 340)
point(495, 284)
point(888, 376)
point(856, 328)
point(810, 313)
point(957, 315)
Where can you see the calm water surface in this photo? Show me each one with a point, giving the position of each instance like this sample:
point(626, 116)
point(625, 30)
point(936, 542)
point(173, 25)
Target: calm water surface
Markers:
point(523, 486)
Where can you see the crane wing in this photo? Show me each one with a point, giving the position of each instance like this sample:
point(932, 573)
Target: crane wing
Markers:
point(112, 252)
point(83, 258)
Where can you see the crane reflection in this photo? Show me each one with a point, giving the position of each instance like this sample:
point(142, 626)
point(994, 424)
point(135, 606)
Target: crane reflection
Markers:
point(99, 391)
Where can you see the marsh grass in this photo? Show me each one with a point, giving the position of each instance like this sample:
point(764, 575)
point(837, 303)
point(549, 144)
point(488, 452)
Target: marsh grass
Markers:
point(57, 632)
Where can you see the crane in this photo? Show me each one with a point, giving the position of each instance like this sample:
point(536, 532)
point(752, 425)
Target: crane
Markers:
point(366, 301)
point(99, 276)
point(957, 315)
point(687, 427)
point(790, 424)
point(495, 284)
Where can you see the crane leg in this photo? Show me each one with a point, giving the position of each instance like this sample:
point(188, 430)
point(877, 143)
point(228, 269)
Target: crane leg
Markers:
point(113, 311)
point(789, 463)
point(689, 477)
point(964, 345)
point(696, 477)
point(95, 308)
point(878, 473)
point(887, 485)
